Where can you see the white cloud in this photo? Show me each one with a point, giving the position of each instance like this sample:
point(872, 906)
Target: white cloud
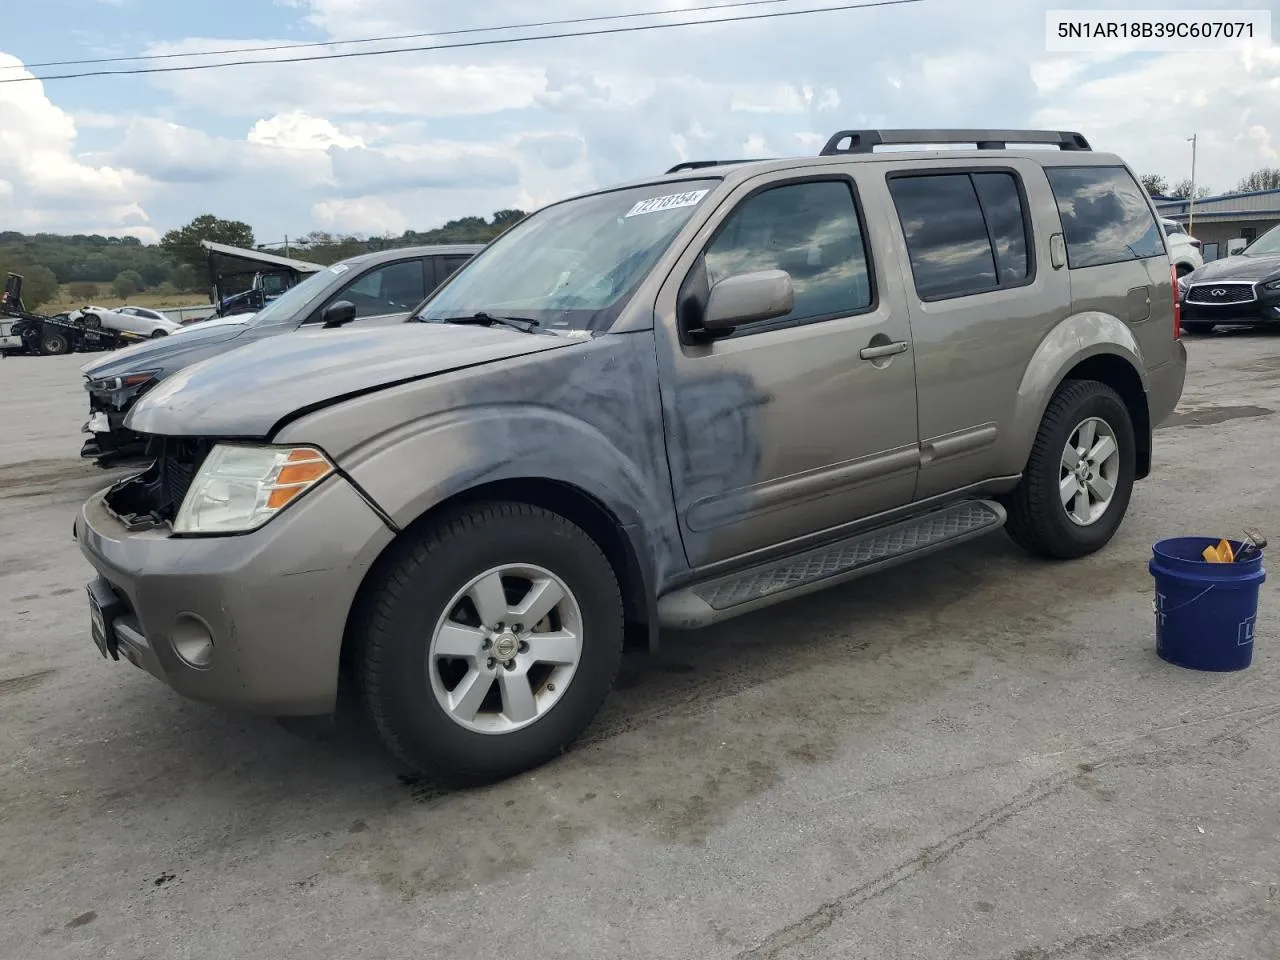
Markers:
point(415, 139)
point(1146, 108)
point(49, 186)
point(363, 215)
point(299, 130)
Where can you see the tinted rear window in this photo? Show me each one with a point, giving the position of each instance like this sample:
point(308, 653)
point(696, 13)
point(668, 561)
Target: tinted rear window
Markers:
point(966, 233)
point(1105, 216)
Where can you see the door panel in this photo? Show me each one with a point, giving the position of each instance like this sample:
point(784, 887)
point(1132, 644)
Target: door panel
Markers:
point(783, 430)
point(983, 293)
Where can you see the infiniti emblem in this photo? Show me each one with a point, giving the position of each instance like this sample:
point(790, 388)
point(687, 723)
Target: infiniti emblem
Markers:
point(1218, 292)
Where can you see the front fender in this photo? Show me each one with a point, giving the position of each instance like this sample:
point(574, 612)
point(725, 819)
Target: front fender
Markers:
point(1073, 341)
point(409, 471)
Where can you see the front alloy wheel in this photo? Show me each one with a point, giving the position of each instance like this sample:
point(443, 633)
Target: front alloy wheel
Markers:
point(488, 640)
point(506, 649)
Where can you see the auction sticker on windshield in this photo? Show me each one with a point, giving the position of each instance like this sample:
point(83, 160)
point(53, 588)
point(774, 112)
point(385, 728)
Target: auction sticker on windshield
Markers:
point(669, 202)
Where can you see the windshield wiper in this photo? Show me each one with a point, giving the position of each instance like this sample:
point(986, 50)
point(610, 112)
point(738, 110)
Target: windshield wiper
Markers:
point(480, 318)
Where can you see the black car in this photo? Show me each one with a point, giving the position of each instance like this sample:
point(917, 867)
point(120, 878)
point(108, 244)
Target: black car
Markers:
point(1239, 290)
point(373, 288)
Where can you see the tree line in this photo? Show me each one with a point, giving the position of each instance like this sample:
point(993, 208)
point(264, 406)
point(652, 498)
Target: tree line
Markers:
point(1157, 185)
point(89, 266)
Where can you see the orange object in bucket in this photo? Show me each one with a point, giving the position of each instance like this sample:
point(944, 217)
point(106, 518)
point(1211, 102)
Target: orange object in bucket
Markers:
point(1221, 553)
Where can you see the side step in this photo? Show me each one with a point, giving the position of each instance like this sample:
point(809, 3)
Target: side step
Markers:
point(711, 601)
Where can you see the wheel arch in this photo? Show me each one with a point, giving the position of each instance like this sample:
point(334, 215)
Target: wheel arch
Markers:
point(1085, 346)
point(623, 546)
point(1120, 376)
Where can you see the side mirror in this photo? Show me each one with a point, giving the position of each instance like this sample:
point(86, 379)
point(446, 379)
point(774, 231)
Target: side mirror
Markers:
point(338, 314)
point(749, 298)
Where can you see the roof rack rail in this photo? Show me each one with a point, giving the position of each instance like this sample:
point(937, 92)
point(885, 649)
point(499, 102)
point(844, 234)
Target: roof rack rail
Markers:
point(702, 164)
point(865, 141)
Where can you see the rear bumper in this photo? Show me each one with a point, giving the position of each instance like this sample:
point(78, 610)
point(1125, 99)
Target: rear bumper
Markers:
point(255, 621)
point(1165, 384)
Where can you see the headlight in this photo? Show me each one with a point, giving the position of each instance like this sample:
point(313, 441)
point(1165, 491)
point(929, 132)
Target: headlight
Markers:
point(1183, 284)
point(1273, 285)
point(238, 488)
point(126, 382)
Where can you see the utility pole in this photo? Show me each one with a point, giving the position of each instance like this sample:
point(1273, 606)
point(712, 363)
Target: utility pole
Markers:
point(1191, 200)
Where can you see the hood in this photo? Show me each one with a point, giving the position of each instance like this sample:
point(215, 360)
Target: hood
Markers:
point(246, 392)
point(1236, 268)
point(235, 320)
point(173, 350)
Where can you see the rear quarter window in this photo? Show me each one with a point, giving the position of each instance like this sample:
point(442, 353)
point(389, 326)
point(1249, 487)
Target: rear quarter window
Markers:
point(1105, 216)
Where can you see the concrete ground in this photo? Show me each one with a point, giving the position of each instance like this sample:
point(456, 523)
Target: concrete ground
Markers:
point(977, 756)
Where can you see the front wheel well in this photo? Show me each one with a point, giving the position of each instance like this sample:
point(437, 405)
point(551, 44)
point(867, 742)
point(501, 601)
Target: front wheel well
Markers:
point(1119, 375)
point(572, 503)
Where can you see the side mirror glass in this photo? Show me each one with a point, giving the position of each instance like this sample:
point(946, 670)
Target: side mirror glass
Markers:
point(338, 314)
point(749, 298)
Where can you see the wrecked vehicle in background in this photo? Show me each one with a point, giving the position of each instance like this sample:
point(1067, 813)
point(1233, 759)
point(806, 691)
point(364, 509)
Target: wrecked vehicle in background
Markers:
point(370, 289)
point(38, 334)
point(245, 281)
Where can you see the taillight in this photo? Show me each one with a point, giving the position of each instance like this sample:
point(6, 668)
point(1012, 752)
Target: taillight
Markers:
point(1177, 304)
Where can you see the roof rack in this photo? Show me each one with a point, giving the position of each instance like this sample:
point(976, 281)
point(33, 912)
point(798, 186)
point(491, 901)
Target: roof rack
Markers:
point(702, 164)
point(865, 141)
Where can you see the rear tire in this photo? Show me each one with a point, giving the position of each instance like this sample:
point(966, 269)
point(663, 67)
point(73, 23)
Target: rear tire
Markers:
point(1058, 484)
point(55, 344)
point(534, 701)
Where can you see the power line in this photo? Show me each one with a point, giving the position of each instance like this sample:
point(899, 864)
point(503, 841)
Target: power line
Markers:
point(400, 36)
point(184, 68)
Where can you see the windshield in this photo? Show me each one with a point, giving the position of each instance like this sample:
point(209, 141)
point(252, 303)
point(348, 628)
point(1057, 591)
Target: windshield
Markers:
point(290, 303)
point(573, 265)
point(1267, 245)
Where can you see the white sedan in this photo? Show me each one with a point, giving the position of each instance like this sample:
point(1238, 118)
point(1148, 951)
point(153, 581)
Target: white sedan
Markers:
point(149, 323)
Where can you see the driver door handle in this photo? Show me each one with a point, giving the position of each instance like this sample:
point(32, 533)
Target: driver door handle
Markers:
point(884, 350)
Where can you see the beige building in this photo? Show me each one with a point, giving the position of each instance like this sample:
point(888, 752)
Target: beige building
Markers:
point(1219, 220)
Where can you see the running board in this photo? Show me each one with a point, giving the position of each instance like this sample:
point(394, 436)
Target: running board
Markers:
point(711, 601)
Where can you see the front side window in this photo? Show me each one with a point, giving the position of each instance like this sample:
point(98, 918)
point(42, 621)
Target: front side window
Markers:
point(1105, 216)
point(810, 230)
point(392, 288)
point(966, 233)
point(573, 265)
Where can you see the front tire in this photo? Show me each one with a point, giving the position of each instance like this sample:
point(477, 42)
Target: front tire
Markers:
point(1076, 487)
point(489, 642)
point(157, 334)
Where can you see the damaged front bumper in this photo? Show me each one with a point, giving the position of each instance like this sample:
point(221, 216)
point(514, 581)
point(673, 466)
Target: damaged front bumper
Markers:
point(253, 621)
point(110, 401)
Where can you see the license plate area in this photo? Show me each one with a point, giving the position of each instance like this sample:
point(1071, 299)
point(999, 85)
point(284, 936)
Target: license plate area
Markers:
point(104, 608)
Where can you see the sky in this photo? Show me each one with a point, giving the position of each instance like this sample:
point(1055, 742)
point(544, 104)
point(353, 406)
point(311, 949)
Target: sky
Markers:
point(378, 145)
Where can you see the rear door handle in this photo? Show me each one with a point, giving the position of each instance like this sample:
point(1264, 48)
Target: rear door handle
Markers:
point(884, 350)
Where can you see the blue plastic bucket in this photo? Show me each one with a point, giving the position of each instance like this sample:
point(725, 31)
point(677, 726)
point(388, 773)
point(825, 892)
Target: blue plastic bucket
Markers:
point(1205, 612)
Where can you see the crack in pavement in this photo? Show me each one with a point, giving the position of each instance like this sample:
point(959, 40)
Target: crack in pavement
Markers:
point(819, 920)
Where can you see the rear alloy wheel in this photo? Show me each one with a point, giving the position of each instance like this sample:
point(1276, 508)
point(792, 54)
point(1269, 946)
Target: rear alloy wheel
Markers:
point(55, 344)
point(1076, 487)
point(489, 642)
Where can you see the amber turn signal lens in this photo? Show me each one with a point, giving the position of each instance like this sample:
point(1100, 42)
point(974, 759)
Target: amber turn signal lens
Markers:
point(301, 469)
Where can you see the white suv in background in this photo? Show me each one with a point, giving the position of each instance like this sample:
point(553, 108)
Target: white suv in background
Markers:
point(1184, 249)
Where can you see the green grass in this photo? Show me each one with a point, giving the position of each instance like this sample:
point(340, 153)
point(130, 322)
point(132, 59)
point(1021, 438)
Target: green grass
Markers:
point(64, 302)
